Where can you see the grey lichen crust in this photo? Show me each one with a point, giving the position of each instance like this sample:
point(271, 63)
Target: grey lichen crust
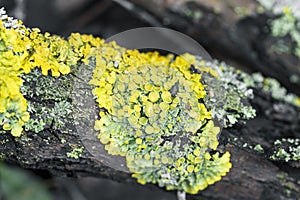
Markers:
point(228, 96)
point(49, 102)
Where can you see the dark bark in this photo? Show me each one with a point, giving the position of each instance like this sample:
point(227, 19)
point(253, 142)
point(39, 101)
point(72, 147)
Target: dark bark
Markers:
point(243, 40)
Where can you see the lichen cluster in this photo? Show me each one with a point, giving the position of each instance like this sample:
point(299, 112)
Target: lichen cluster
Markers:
point(22, 50)
point(280, 6)
point(152, 112)
point(163, 113)
point(285, 25)
point(13, 106)
point(75, 153)
point(270, 86)
point(228, 97)
point(286, 150)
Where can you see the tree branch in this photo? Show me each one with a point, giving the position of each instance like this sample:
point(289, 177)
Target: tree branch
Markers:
point(242, 39)
point(253, 175)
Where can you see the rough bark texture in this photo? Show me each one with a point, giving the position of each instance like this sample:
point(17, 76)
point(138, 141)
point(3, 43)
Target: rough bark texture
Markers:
point(241, 41)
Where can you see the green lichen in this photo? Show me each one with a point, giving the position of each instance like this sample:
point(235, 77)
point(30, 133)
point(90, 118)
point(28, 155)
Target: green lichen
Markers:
point(288, 192)
point(281, 176)
point(63, 140)
point(268, 4)
point(195, 15)
point(75, 153)
point(2, 156)
point(52, 107)
point(4, 141)
point(281, 47)
point(288, 183)
point(242, 11)
point(259, 148)
point(286, 150)
point(271, 86)
point(287, 24)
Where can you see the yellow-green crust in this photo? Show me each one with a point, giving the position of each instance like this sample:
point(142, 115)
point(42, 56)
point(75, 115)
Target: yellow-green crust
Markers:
point(152, 109)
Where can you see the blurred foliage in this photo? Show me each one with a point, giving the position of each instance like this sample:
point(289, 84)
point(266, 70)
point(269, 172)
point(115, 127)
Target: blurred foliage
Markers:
point(16, 184)
point(286, 25)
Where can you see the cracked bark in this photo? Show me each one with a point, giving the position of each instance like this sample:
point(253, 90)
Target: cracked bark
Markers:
point(244, 40)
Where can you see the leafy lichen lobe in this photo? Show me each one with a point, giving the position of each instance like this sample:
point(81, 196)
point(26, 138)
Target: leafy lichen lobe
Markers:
point(153, 115)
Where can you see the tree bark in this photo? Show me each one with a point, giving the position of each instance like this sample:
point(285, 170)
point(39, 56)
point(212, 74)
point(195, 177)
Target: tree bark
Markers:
point(253, 175)
point(241, 39)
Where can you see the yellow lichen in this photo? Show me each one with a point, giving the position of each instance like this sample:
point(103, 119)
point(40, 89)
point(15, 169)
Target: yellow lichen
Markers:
point(23, 49)
point(152, 112)
point(159, 98)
